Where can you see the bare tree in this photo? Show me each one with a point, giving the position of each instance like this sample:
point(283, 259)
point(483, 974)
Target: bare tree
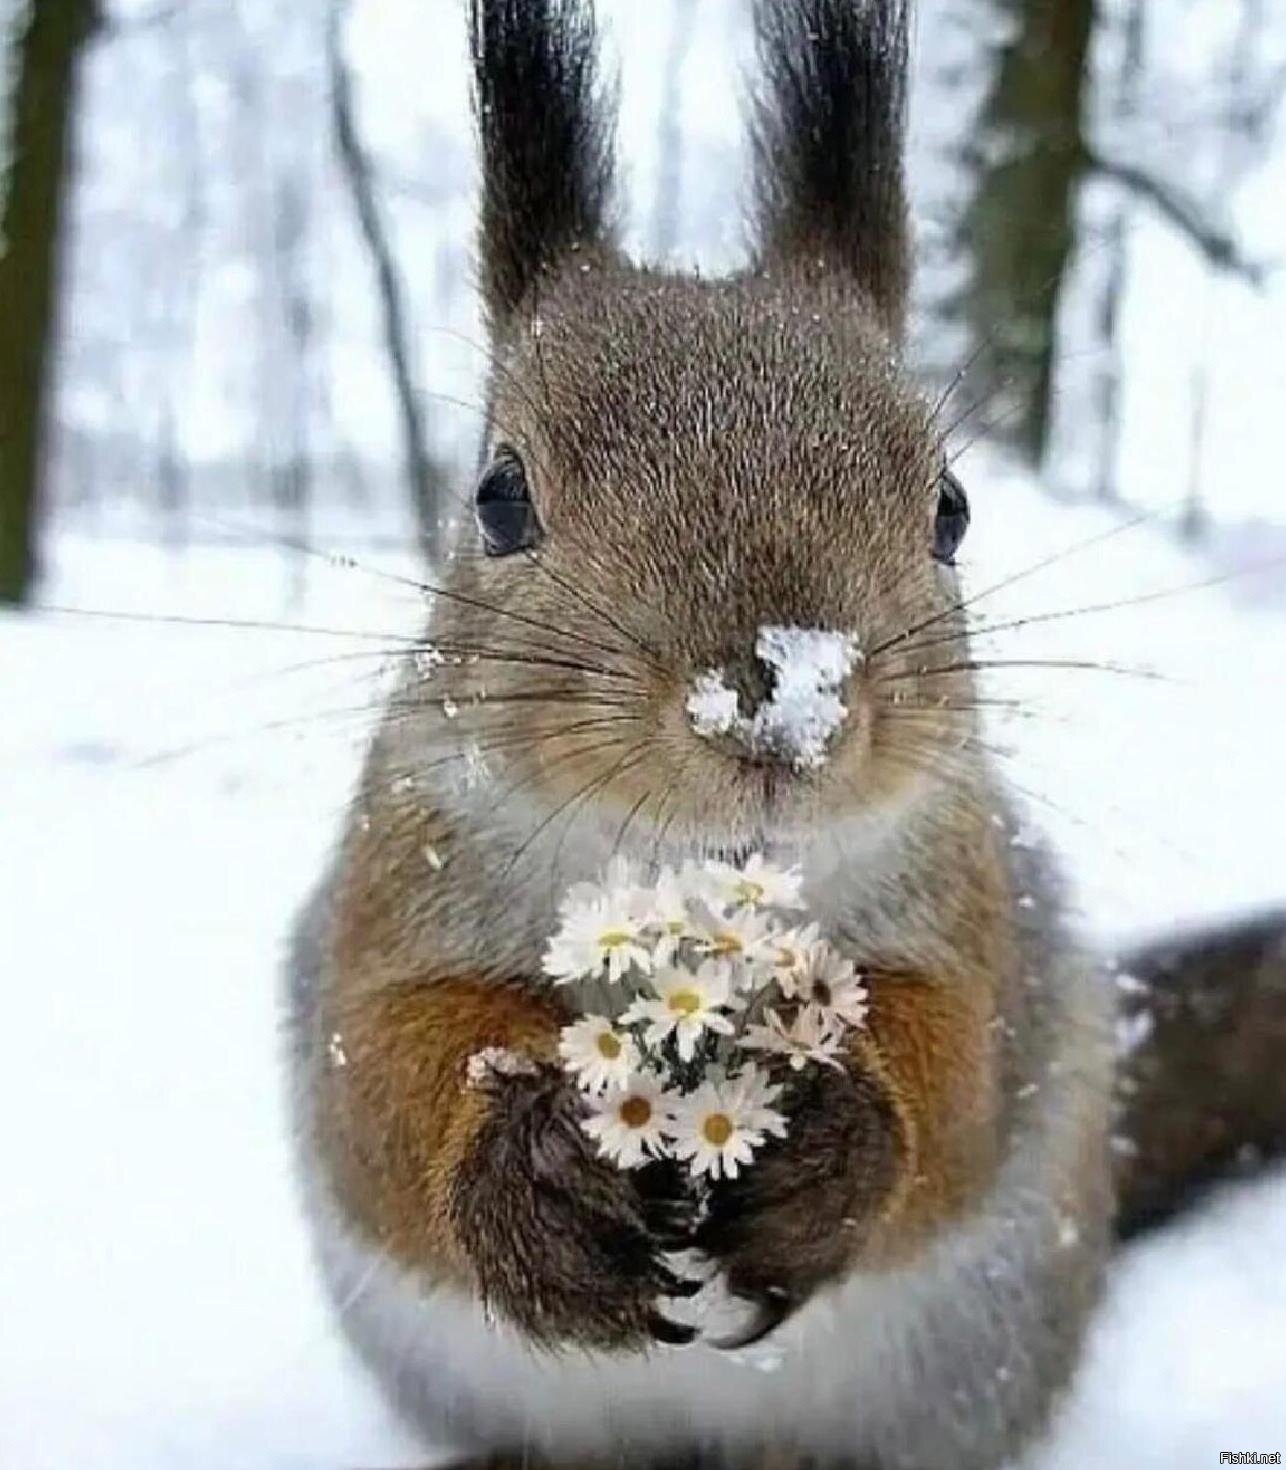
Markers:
point(1246, 140)
point(1107, 389)
point(1041, 138)
point(292, 461)
point(1020, 225)
point(426, 481)
point(43, 108)
point(183, 284)
point(665, 212)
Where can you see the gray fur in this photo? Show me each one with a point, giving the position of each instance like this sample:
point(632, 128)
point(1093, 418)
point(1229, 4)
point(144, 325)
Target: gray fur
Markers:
point(950, 1365)
point(706, 458)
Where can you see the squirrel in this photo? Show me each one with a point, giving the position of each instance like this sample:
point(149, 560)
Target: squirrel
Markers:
point(672, 463)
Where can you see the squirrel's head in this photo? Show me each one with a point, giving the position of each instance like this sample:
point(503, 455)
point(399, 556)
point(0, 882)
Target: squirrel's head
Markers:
point(713, 523)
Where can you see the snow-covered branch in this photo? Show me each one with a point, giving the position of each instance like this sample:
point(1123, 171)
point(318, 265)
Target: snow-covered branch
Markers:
point(1217, 244)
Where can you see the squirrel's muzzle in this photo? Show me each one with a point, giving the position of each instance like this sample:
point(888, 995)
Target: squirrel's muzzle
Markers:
point(782, 700)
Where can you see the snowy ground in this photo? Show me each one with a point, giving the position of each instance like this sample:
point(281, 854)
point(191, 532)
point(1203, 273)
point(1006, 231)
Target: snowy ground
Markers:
point(166, 795)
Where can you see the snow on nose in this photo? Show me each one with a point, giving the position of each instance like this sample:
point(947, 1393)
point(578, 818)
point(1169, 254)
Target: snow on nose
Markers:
point(803, 711)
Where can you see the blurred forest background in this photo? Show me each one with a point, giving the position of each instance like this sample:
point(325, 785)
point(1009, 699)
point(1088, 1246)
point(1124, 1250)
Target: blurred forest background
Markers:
point(236, 269)
point(237, 318)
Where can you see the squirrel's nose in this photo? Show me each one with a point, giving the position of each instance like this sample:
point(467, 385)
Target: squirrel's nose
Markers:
point(753, 682)
point(781, 700)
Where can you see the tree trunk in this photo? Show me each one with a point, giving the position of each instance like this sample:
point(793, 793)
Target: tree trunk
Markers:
point(43, 106)
point(425, 479)
point(1021, 222)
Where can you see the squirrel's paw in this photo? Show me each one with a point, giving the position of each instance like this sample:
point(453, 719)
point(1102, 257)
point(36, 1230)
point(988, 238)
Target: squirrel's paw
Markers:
point(797, 1217)
point(565, 1245)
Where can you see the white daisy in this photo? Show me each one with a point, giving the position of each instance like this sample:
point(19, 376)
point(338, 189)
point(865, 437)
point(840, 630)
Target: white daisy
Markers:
point(597, 1054)
point(606, 931)
point(789, 953)
point(758, 884)
point(827, 983)
point(687, 1004)
point(743, 935)
point(810, 1037)
point(717, 1128)
point(665, 911)
point(630, 1123)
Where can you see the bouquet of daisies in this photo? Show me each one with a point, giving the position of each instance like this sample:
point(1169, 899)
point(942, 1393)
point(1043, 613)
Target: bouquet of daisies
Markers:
point(681, 984)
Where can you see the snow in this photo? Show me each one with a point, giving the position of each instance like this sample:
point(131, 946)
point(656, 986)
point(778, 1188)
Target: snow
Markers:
point(496, 1061)
point(713, 706)
point(158, 1302)
point(168, 794)
point(803, 712)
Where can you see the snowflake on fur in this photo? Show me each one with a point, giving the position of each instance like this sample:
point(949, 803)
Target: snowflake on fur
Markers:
point(695, 992)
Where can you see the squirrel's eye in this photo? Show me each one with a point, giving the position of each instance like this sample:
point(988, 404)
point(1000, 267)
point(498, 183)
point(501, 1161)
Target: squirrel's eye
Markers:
point(952, 520)
point(506, 516)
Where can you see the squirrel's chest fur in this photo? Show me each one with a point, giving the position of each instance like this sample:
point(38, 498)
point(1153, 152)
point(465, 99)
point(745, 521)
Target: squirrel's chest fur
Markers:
point(676, 469)
point(910, 1367)
point(963, 1348)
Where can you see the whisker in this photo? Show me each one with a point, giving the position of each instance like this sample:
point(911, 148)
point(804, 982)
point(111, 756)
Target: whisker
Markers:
point(456, 655)
point(574, 694)
point(255, 625)
point(962, 372)
point(592, 607)
point(629, 818)
point(989, 750)
point(1065, 664)
point(390, 712)
point(431, 590)
point(1008, 707)
point(562, 806)
point(633, 756)
point(1090, 609)
point(515, 742)
point(1011, 581)
point(668, 804)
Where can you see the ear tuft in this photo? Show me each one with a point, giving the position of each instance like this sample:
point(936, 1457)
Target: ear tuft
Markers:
point(829, 129)
point(546, 135)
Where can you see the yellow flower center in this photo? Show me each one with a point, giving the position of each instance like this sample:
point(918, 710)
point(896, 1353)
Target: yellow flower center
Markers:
point(614, 938)
point(725, 942)
point(635, 1112)
point(609, 1045)
point(683, 1002)
point(717, 1129)
point(787, 958)
point(749, 892)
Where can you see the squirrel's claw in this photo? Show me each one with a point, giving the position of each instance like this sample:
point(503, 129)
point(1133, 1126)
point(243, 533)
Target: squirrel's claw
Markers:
point(772, 1307)
point(671, 1223)
point(676, 1334)
point(672, 1284)
point(669, 1211)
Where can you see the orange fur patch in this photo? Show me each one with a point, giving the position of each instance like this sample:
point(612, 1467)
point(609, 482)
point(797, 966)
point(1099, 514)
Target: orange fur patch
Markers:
point(933, 1046)
point(396, 1119)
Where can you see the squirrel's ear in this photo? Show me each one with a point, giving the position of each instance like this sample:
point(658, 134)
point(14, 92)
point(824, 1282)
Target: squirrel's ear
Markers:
point(829, 127)
point(546, 132)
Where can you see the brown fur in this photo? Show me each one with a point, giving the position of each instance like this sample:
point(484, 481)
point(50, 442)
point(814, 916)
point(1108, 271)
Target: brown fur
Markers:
point(563, 1243)
point(397, 1120)
point(936, 1042)
point(1203, 1090)
point(703, 459)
